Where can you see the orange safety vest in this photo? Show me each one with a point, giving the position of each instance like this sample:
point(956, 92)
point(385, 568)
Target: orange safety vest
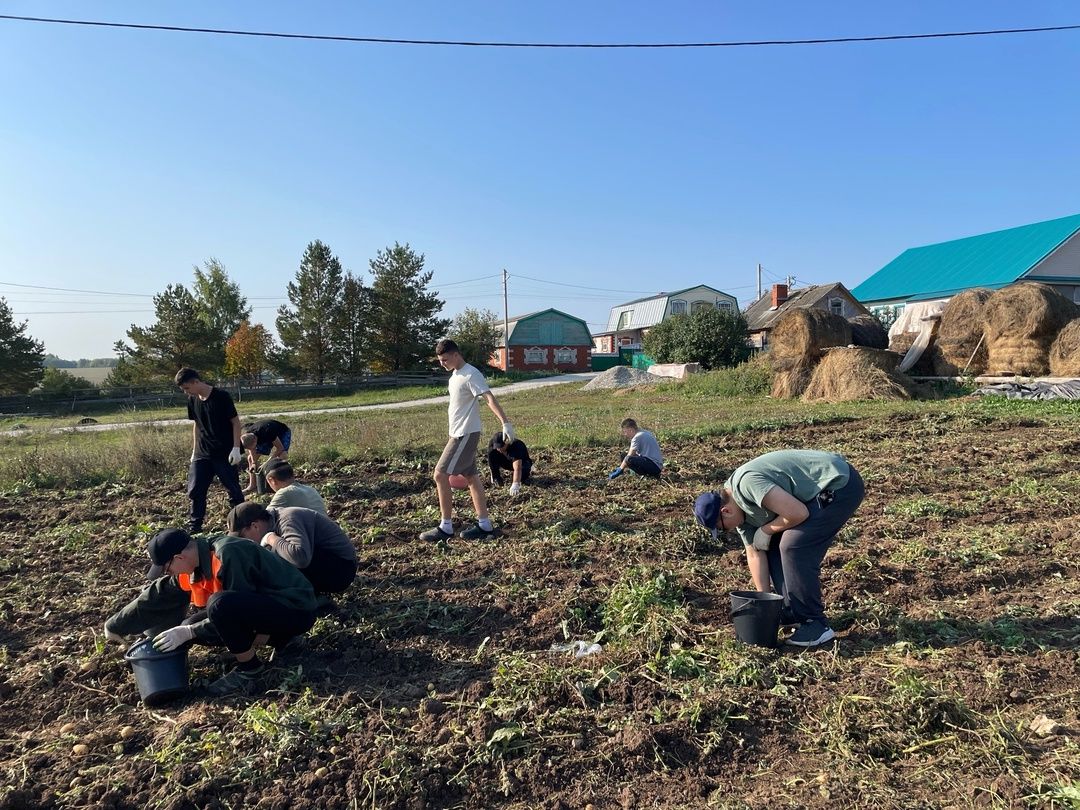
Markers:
point(202, 590)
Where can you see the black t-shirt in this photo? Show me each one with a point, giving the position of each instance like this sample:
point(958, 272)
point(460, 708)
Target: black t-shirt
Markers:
point(515, 451)
point(266, 430)
point(213, 416)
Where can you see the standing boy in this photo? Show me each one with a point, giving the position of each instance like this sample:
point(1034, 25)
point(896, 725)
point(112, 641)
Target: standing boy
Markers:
point(467, 385)
point(215, 443)
point(265, 437)
point(644, 455)
point(787, 507)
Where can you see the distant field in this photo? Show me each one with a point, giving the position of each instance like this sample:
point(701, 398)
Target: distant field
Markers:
point(95, 375)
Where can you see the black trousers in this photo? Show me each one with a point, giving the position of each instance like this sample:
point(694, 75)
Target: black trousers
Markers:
point(795, 554)
point(200, 475)
point(239, 617)
point(643, 466)
point(329, 573)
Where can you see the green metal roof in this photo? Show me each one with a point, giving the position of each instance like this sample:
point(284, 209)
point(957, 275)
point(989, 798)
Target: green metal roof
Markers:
point(987, 260)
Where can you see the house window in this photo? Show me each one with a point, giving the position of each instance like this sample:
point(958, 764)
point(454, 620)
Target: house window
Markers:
point(536, 356)
point(724, 306)
point(625, 318)
point(700, 306)
point(565, 355)
point(678, 307)
point(836, 306)
point(626, 341)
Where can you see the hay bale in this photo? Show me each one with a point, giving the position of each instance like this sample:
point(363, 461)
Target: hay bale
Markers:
point(960, 334)
point(857, 373)
point(801, 335)
point(866, 330)
point(1065, 351)
point(790, 383)
point(1022, 321)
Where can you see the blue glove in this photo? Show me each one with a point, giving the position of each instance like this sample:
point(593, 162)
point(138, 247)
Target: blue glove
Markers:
point(615, 473)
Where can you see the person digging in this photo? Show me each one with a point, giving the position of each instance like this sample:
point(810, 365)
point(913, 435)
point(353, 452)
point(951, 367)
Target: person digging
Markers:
point(265, 437)
point(281, 479)
point(512, 457)
point(787, 507)
point(304, 538)
point(252, 598)
point(467, 386)
point(643, 457)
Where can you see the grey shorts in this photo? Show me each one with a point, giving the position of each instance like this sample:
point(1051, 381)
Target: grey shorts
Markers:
point(459, 456)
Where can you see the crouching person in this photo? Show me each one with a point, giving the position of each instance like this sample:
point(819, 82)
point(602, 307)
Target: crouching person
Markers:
point(252, 598)
point(307, 539)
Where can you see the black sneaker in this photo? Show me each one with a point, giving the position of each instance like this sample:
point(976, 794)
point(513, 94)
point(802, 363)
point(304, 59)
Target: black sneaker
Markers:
point(436, 534)
point(477, 533)
point(237, 682)
point(811, 634)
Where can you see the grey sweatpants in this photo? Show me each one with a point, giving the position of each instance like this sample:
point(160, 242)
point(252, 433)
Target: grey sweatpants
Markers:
point(795, 558)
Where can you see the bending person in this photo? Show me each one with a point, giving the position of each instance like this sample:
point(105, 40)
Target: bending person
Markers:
point(512, 457)
point(287, 490)
point(265, 437)
point(307, 539)
point(787, 507)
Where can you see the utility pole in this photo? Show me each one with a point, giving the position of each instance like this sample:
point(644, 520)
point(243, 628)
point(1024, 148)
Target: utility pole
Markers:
point(506, 327)
point(759, 279)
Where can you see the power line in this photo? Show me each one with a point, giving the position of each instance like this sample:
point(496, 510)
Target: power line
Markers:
point(68, 289)
point(562, 45)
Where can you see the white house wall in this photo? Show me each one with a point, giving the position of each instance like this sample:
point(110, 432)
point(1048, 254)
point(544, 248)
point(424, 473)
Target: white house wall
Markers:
point(1062, 262)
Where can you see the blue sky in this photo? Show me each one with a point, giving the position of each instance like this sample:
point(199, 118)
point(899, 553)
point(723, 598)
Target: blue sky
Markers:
point(127, 157)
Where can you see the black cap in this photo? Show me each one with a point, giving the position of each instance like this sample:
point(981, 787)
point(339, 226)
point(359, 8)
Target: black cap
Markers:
point(162, 547)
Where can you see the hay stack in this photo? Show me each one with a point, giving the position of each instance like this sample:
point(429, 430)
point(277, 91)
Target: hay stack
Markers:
point(1022, 321)
point(855, 373)
point(791, 382)
point(960, 333)
point(866, 330)
point(802, 335)
point(1065, 351)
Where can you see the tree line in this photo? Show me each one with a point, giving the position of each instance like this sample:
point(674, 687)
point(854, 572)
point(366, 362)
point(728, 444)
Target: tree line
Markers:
point(334, 326)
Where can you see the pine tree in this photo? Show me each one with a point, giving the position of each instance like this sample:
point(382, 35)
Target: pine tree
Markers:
point(21, 356)
point(404, 321)
point(352, 326)
point(306, 328)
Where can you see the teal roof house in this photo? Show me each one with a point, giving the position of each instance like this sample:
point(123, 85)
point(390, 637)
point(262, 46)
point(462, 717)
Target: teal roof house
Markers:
point(1043, 251)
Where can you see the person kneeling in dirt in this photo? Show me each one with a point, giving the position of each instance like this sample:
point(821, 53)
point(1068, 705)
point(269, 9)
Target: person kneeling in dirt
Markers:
point(511, 456)
point(787, 507)
point(251, 598)
point(644, 455)
point(309, 540)
point(287, 490)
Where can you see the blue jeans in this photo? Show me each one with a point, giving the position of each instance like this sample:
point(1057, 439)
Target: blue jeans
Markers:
point(795, 558)
point(200, 474)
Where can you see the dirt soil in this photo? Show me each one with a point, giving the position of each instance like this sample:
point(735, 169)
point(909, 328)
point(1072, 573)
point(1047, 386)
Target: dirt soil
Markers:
point(955, 592)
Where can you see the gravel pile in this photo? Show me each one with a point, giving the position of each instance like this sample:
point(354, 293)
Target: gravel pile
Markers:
point(622, 377)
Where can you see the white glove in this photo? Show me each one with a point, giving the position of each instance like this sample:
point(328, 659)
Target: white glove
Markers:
point(171, 639)
point(515, 488)
point(234, 455)
point(762, 540)
point(508, 433)
point(115, 638)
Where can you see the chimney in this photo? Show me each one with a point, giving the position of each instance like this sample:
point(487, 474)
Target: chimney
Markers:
point(779, 294)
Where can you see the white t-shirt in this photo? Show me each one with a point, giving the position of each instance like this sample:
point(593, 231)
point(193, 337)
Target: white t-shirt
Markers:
point(467, 385)
point(647, 447)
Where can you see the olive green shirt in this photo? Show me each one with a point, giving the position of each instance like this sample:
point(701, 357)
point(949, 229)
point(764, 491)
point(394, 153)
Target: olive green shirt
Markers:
point(803, 474)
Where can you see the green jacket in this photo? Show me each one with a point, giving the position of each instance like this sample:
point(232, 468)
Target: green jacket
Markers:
point(245, 567)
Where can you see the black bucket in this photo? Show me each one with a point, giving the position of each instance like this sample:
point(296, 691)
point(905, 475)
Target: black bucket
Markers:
point(757, 617)
point(161, 676)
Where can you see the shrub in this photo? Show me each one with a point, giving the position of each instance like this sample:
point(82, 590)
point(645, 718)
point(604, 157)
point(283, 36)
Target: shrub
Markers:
point(752, 378)
point(711, 337)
